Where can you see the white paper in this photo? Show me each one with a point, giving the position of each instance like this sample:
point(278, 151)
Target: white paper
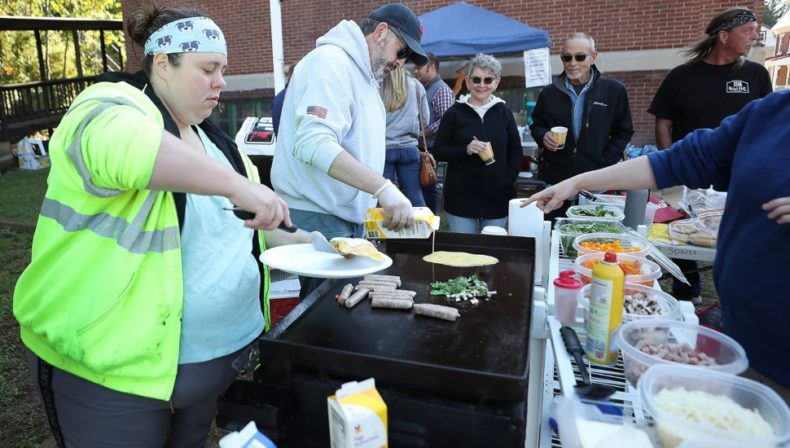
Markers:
point(537, 69)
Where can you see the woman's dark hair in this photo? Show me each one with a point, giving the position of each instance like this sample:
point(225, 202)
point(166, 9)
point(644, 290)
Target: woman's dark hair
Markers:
point(704, 47)
point(141, 24)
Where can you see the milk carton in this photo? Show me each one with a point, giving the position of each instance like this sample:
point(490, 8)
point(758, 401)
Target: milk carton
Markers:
point(357, 416)
point(425, 223)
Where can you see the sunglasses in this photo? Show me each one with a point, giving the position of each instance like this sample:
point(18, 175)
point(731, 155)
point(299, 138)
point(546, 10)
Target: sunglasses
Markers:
point(580, 57)
point(487, 80)
point(405, 52)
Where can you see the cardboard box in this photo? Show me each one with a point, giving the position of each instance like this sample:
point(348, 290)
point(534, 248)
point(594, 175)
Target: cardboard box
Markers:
point(357, 416)
point(425, 224)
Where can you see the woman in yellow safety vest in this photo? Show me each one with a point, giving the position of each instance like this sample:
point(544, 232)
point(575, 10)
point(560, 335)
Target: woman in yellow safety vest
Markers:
point(144, 295)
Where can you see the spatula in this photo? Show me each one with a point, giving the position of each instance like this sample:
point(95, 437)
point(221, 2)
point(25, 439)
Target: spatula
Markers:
point(586, 389)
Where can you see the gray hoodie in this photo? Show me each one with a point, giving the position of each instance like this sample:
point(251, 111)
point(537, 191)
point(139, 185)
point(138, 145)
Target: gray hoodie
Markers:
point(332, 105)
point(403, 127)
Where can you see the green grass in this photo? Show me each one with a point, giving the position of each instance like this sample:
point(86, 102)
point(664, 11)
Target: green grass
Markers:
point(21, 193)
point(22, 419)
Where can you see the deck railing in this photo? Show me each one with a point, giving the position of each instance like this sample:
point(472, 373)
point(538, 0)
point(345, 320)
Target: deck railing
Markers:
point(31, 106)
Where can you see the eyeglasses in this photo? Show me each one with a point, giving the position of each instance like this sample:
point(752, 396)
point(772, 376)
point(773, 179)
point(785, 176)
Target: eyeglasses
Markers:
point(487, 80)
point(405, 52)
point(580, 57)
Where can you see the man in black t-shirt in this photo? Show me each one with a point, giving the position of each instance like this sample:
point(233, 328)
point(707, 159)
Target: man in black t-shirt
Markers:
point(715, 83)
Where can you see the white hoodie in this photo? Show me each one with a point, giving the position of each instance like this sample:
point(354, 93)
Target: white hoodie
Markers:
point(334, 80)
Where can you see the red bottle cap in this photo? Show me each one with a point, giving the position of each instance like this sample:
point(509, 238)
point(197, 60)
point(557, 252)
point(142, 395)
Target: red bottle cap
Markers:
point(567, 280)
point(610, 257)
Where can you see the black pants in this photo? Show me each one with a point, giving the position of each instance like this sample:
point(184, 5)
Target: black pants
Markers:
point(85, 414)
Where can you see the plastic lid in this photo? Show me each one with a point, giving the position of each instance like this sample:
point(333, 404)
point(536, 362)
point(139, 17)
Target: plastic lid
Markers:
point(610, 257)
point(567, 280)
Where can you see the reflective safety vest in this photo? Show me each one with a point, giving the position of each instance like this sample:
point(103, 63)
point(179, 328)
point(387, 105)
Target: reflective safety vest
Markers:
point(102, 297)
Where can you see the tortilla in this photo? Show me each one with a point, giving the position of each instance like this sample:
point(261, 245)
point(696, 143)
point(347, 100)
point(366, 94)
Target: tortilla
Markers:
point(460, 259)
point(355, 246)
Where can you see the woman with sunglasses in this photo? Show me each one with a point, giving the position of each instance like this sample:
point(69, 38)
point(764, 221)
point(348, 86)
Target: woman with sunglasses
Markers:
point(592, 107)
point(477, 191)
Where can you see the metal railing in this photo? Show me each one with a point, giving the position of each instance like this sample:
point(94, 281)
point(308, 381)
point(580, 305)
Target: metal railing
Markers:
point(32, 106)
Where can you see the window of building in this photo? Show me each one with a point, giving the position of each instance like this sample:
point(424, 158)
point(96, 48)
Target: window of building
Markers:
point(229, 115)
point(781, 77)
point(785, 43)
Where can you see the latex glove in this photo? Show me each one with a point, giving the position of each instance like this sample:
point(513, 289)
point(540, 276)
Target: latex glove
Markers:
point(398, 212)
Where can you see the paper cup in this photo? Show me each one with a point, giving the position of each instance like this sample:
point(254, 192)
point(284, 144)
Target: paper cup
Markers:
point(560, 133)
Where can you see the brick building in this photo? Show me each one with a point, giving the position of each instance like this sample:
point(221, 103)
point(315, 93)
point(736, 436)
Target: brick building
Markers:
point(637, 41)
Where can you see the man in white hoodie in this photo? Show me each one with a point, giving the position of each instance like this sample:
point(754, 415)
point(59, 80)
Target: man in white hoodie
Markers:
point(330, 150)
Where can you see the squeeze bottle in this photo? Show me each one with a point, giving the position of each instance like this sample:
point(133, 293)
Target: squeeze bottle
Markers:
point(606, 309)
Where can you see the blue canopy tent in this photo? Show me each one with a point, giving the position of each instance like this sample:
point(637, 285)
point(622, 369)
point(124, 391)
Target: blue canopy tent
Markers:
point(461, 29)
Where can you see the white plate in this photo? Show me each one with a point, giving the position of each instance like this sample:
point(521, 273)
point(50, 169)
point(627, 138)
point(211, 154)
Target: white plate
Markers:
point(303, 259)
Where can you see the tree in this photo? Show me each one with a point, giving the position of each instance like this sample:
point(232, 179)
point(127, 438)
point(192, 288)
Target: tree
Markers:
point(18, 57)
point(774, 10)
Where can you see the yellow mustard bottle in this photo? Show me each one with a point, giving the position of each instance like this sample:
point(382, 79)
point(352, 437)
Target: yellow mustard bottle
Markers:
point(606, 309)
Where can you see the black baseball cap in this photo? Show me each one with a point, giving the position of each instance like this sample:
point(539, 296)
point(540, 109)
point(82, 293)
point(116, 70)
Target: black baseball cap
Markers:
point(402, 18)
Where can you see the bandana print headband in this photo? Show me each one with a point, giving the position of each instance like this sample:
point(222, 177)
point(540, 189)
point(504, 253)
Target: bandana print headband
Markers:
point(741, 18)
point(199, 34)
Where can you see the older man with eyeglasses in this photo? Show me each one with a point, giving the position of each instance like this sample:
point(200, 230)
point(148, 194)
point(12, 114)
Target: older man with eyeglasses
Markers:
point(592, 107)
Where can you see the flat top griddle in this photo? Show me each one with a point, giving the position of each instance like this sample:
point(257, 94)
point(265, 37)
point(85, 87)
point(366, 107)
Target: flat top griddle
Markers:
point(488, 341)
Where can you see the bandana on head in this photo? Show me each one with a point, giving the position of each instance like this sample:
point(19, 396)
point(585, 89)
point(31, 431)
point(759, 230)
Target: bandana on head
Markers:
point(199, 34)
point(739, 19)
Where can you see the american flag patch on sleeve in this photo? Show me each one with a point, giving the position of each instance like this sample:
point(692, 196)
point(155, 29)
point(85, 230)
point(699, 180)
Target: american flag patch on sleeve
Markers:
point(318, 111)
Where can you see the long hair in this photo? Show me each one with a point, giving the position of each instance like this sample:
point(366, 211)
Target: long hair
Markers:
point(704, 46)
point(394, 89)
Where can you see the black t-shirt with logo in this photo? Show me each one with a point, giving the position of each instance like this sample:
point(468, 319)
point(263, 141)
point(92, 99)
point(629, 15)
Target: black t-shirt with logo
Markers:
point(700, 95)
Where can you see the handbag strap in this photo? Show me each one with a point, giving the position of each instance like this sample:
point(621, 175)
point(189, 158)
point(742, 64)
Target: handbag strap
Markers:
point(419, 117)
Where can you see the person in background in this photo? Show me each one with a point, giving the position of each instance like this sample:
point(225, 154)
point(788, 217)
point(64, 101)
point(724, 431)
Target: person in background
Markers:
point(592, 107)
point(144, 295)
point(277, 102)
point(747, 155)
point(440, 98)
point(403, 96)
point(716, 82)
point(476, 194)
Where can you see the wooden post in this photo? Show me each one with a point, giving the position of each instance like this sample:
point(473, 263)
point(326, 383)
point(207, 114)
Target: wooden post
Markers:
point(77, 51)
point(42, 69)
point(103, 51)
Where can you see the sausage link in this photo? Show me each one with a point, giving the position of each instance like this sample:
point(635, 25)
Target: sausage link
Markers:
point(356, 297)
point(397, 304)
point(437, 311)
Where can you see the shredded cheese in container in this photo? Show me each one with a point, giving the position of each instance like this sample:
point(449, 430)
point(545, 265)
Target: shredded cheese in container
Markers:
point(714, 410)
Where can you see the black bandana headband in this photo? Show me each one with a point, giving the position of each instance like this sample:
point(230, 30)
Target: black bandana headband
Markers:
point(742, 17)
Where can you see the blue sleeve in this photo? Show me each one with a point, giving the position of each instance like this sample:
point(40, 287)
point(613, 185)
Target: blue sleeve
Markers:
point(277, 109)
point(704, 157)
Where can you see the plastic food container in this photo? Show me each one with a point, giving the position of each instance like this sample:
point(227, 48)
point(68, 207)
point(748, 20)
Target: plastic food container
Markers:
point(613, 214)
point(674, 430)
point(667, 307)
point(570, 228)
point(648, 271)
point(671, 334)
point(630, 245)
